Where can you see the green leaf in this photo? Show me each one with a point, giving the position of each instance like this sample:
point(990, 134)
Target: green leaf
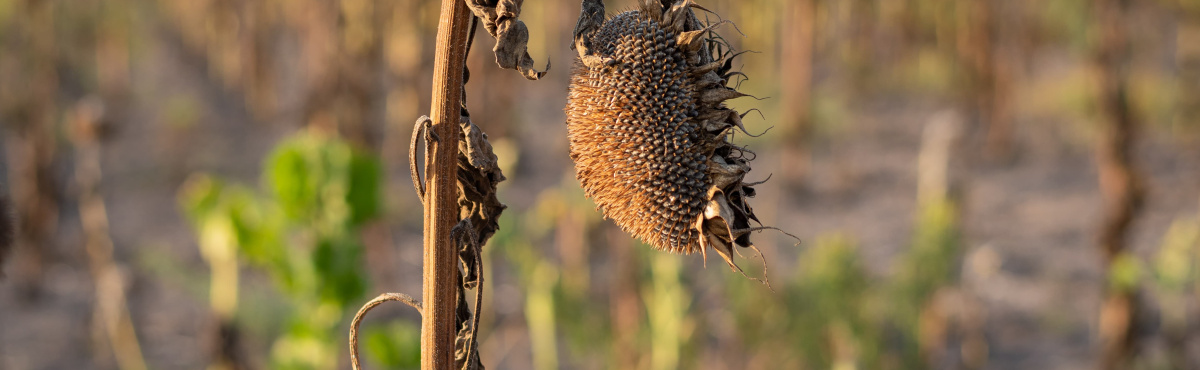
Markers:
point(289, 175)
point(339, 272)
point(363, 191)
point(199, 196)
point(1125, 272)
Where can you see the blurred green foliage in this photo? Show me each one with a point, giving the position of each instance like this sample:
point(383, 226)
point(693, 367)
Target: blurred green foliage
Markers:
point(303, 232)
point(396, 345)
point(1177, 263)
point(835, 328)
point(1125, 272)
point(932, 259)
point(830, 313)
point(668, 301)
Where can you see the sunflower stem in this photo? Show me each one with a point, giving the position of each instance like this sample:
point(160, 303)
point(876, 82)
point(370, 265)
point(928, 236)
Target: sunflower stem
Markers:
point(441, 210)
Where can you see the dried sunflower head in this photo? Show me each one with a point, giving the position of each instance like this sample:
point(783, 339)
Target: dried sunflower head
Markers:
point(649, 130)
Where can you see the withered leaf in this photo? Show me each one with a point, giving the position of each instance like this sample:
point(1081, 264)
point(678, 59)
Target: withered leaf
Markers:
point(479, 210)
point(478, 176)
point(500, 19)
point(466, 352)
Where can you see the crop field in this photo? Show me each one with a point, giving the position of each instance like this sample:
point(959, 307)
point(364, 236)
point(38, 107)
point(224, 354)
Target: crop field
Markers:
point(768, 184)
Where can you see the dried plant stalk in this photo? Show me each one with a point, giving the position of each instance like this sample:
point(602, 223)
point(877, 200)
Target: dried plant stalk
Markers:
point(460, 203)
point(111, 309)
point(1120, 181)
point(649, 130)
point(461, 207)
point(441, 285)
point(29, 107)
point(6, 229)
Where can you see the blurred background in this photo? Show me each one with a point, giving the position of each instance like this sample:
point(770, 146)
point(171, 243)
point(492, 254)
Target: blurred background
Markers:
point(977, 183)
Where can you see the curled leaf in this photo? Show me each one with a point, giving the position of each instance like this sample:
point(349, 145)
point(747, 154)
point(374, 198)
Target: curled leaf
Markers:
point(500, 19)
point(479, 210)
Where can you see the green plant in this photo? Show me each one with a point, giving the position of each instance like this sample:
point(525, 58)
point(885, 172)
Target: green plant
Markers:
point(302, 231)
point(668, 302)
point(830, 298)
point(1176, 282)
point(931, 263)
point(394, 345)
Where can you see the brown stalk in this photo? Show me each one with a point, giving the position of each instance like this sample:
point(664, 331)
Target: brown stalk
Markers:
point(982, 48)
point(1120, 183)
point(798, 72)
point(111, 310)
point(31, 149)
point(440, 285)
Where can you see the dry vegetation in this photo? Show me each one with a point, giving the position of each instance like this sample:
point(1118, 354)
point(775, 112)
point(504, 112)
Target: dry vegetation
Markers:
point(978, 183)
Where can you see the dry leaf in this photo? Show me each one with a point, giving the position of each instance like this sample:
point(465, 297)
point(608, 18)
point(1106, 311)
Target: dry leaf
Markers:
point(499, 18)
